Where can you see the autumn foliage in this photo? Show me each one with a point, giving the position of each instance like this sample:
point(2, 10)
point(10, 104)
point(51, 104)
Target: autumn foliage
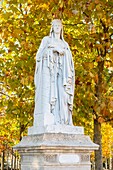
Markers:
point(88, 28)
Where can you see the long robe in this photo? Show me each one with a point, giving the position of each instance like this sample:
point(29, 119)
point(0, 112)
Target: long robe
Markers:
point(54, 81)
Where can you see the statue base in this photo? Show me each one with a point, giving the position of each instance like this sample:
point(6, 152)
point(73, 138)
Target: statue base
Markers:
point(54, 149)
point(55, 129)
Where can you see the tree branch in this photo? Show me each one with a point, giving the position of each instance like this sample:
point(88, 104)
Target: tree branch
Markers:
point(109, 120)
point(5, 94)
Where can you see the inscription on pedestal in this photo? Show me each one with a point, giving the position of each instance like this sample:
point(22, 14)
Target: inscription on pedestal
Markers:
point(69, 159)
point(50, 158)
point(85, 158)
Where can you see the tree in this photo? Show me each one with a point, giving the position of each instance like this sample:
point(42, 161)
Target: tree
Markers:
point(98, 70)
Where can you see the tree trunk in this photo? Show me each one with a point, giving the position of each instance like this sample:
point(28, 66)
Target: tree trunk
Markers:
point(2, 160)
point(15, 162)
point(112, 162)
point(12, 159)
point(97, 140)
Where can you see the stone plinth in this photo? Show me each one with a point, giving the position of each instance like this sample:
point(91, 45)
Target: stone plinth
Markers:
point(55, 129)
point(56, 151)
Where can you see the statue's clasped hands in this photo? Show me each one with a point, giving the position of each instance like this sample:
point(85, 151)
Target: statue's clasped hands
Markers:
point(56, 49)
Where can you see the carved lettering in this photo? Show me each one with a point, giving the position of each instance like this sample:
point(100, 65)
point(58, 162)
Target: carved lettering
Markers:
point(85, 158)
point(50, 158)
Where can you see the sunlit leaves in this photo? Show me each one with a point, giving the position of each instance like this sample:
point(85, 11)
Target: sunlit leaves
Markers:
point(107, 140)
point(88, 29)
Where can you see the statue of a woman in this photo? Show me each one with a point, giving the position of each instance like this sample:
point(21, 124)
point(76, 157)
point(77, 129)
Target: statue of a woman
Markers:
point(54, 78)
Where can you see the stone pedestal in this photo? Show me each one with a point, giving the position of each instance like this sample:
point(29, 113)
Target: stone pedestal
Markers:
point(52, 148)
point(66, 129)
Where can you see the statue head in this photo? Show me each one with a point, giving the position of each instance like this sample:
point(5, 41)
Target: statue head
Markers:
point(56, 27)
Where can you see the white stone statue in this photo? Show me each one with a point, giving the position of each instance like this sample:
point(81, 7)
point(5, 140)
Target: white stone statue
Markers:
point(54, 79)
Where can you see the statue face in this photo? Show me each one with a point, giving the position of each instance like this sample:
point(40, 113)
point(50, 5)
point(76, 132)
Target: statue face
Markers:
point(57, 27)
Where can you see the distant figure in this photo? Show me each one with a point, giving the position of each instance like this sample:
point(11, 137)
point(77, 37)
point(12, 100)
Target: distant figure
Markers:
point(54, 77)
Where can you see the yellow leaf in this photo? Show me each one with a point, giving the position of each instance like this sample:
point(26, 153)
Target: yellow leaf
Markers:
point(96, 78)
point(104, 111)
point(102, 105)
point(101, 120)
point(98, 7)
point(31, 78)
point(22, 81)
point(88, 65)
point(99, 46)
point(96, 108)
point(91, 75)
point(96, 1)
point(111, 54)
point(0, 40)
point(98, 59)
point(44, 6)
point(62, 4)
point(111, 104)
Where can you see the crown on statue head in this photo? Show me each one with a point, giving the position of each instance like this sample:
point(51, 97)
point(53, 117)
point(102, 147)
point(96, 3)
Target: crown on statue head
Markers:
point(56, 21)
